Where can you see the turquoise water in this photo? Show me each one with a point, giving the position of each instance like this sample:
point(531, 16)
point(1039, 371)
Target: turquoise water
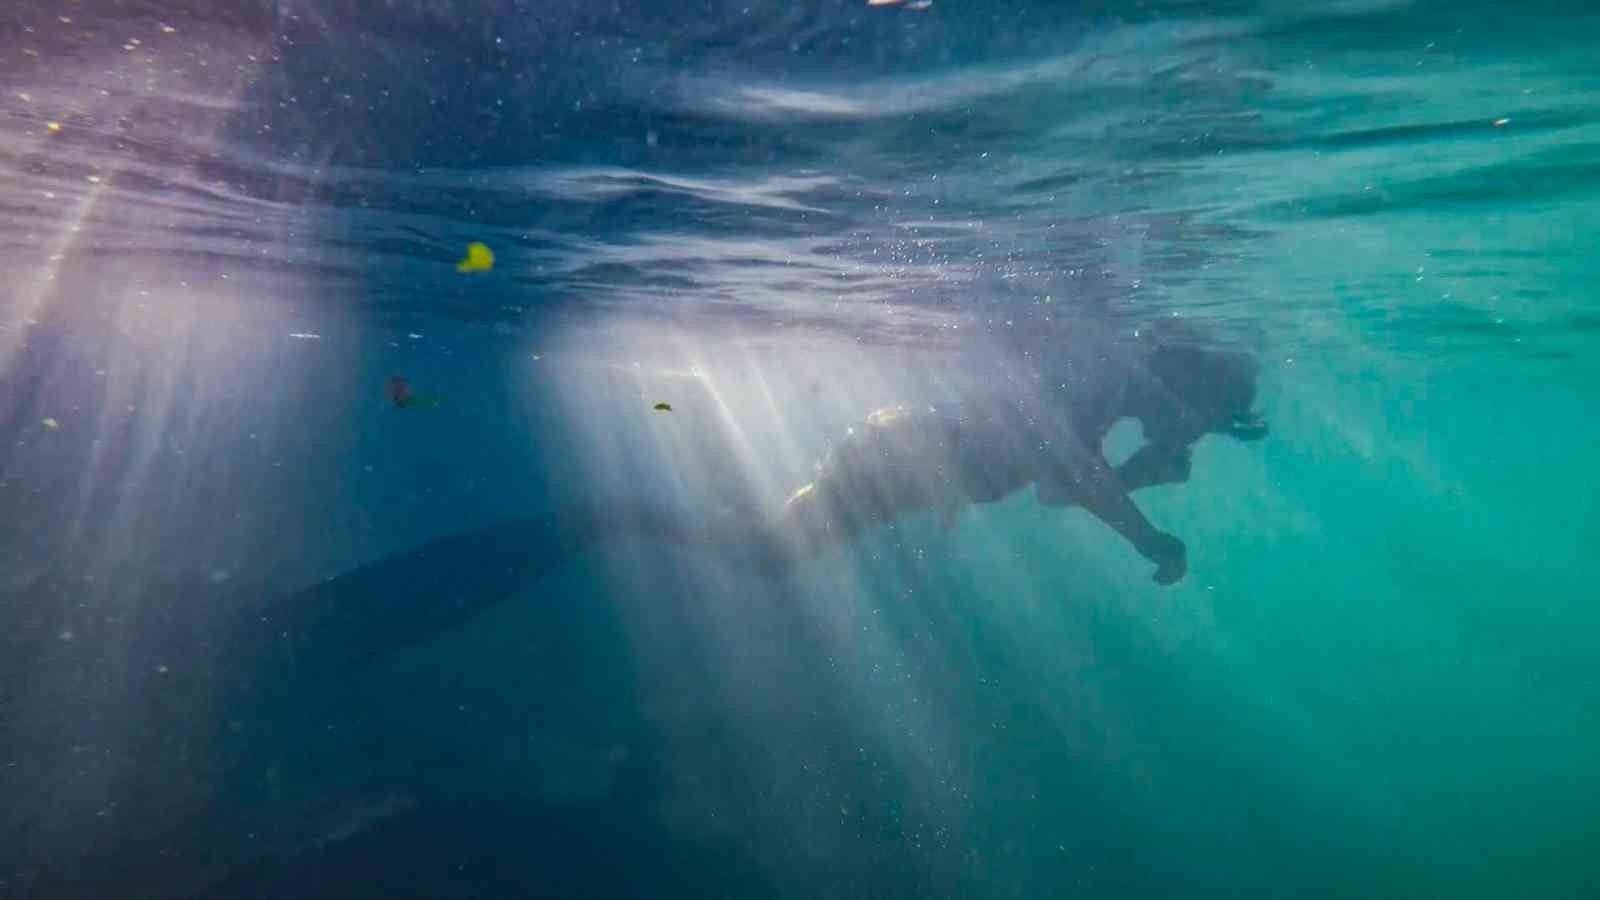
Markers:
point(1377, 678)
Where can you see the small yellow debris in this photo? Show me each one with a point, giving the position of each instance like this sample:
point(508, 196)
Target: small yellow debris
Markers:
point(479, 258)
point(53, 126)
point(50, 424)
point(884, 416)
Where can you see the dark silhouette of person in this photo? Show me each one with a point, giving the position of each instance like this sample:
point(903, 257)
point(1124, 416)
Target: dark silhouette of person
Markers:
point(899, 461)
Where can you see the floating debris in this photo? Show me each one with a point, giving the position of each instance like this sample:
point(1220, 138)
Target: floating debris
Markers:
point(50, 424)
point(479, 258)
point(398, 389)
point(399, 392)
point(1499, 123)
point(52, 127)
point(305, 336)
point(663, 407)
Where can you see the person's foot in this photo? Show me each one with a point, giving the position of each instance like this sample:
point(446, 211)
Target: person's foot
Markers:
point(1171, 558)
point(1248, 427)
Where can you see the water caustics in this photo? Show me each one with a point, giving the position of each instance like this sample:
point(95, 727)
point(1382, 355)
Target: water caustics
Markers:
point(748, 437)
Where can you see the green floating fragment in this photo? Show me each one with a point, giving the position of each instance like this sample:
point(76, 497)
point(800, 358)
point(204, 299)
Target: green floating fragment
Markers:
point(479, 258)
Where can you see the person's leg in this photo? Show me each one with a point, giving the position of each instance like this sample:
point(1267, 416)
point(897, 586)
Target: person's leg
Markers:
point(1155, 464)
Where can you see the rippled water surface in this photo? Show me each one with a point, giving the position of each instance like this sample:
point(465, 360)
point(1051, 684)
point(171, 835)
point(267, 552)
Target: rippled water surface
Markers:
point(225, 227)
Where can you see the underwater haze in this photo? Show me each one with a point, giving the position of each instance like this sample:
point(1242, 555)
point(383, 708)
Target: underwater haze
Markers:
point(297, 600)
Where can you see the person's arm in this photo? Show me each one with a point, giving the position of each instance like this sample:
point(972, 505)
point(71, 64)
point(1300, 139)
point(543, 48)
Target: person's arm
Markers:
point(1085, 478)
point(1108, 499)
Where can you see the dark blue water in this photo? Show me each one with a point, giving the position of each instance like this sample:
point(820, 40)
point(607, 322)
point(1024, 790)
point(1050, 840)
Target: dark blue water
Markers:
point(267, 632)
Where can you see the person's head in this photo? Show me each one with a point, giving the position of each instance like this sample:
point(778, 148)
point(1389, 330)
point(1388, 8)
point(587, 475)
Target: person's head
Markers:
point(1192, 390)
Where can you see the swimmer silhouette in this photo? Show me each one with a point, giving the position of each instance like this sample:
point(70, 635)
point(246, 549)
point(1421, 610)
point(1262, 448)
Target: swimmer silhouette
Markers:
point(901, 460)
point(905, 459)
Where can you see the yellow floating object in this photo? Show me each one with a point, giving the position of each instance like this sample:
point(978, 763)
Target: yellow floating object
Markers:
point(479, 258)
point(50, 424)
point(53, 126)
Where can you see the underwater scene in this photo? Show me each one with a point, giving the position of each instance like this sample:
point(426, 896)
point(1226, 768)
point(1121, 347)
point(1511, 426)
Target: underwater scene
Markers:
point(799, 449)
